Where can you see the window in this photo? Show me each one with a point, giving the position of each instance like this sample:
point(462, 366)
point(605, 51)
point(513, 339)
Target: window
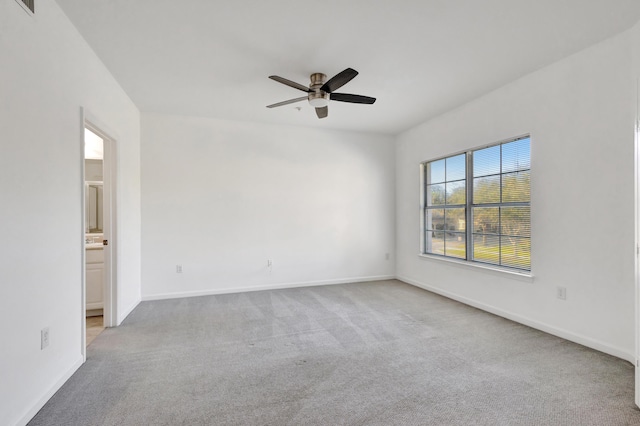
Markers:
point(446, 206)
point(477, 205)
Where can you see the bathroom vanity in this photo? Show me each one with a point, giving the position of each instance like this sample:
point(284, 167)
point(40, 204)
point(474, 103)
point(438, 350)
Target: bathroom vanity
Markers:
point(94, 252)
point(95, 272)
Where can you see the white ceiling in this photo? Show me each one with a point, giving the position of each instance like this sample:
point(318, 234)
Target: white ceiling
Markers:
point(419, 58)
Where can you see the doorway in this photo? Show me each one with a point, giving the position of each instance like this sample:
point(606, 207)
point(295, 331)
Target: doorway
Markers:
point(637, 245)
point(98, 233)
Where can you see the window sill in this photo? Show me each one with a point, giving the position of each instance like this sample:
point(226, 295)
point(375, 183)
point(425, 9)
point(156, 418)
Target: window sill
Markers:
point(511, 273)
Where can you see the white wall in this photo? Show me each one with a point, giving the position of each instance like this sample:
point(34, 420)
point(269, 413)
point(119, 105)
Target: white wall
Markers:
point(48, 72)
point(579, 113)
point(222, 197)
point(635, 34)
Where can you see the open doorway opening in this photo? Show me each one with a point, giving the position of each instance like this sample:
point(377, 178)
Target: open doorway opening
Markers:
point(99, 231)
point(94, 234)
point(637, 247)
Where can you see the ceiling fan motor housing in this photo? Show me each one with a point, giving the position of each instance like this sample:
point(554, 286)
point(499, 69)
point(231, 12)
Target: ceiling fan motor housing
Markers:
point(318, 98)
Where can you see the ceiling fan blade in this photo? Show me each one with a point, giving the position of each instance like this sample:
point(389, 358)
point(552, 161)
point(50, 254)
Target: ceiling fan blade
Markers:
point(354, 99)
point(289, 83)
point(339, 80)
point(322, 112)
point(290, 101)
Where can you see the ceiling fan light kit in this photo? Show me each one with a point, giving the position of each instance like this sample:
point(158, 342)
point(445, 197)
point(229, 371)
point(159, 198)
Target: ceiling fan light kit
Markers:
point(318, 99)
point(320, 91)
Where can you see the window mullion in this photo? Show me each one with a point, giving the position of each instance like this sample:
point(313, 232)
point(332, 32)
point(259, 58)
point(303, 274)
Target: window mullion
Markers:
point(469, 203)
point(425, 242)
point(500, 210)
point(444, 235)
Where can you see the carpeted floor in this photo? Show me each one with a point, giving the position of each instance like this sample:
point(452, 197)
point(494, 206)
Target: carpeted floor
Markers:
point(378, 353)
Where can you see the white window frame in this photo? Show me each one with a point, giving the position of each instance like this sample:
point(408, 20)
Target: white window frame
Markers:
point(468, 261)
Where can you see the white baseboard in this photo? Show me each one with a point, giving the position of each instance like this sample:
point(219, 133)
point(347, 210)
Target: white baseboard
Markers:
point(565, 334)
point(49, 393)
point(178, 295)
point(93, 306)
point(127, 311)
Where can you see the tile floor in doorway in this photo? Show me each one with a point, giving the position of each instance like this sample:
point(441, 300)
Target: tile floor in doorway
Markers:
point(94, 327)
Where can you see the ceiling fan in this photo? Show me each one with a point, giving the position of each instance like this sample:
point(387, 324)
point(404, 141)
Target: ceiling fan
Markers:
point(320, 91)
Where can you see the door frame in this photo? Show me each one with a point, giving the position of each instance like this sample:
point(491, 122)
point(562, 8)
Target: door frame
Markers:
point(637, 241)
point(109, 166)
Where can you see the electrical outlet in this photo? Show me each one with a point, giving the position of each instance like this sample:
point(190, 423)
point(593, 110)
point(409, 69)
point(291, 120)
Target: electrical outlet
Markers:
point(387, 256)
point(44, 338)
point(561, 293)
point(178, 269)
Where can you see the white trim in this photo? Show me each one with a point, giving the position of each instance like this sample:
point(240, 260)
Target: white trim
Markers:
point(93, 306)
point(636, 184)
point(125, 313)
point(37, 406)
point(110, 309)
point(83, 236)
point(565, 334)
point(478, 148)
point(495, 270)
point(227, 290)
point(423, 203)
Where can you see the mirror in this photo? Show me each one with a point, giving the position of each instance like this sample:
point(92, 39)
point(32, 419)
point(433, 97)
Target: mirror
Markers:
point(93, 207)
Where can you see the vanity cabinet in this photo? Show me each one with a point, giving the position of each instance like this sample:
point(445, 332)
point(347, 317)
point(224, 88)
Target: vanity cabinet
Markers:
point(95, 278)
